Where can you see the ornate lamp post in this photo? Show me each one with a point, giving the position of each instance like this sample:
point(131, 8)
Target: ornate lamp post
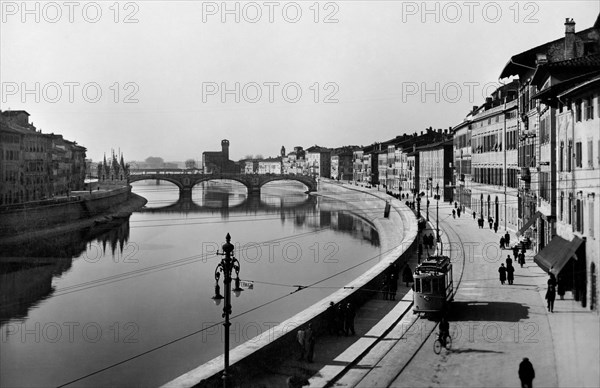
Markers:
point(437, 217)
point(226, 266)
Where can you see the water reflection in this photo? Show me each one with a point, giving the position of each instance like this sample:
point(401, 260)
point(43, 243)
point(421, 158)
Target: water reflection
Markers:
point(27, 268)
point(165, 291)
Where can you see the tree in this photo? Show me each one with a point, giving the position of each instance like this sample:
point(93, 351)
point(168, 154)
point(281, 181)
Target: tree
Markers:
point(155, 162)
point(190, 164)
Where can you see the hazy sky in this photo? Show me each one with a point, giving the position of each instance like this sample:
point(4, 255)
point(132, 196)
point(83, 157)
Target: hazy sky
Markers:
point(161, 78)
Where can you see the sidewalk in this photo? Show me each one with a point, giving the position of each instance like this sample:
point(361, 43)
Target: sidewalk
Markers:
point(494, 326)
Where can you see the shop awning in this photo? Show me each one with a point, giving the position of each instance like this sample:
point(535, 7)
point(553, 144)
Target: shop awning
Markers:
point(556, 254)
point(529, 223)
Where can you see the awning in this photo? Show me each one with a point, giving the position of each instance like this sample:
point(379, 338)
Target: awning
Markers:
point(556, 254)
point(529, 223)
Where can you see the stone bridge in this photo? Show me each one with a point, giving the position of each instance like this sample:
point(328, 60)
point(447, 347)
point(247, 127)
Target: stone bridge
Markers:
point(186, 181)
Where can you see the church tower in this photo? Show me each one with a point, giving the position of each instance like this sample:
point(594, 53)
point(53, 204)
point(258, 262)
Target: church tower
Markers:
point(225, 149)
point(282, 151)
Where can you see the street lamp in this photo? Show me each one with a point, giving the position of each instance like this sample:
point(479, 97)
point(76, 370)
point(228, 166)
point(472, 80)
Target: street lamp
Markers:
point(437, 217)
point(226, 266)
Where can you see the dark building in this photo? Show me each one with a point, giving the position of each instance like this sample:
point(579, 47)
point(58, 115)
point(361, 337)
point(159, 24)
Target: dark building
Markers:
point(215, 162)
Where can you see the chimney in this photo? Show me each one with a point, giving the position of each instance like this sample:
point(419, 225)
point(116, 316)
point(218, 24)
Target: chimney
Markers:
point(569, 38)
point(474, 108)
point(439, 130)
point(421, 133)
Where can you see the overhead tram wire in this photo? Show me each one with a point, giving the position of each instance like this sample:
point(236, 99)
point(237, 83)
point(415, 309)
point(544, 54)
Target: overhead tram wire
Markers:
point(171, 342)
point(218, 323)
point(157, 268)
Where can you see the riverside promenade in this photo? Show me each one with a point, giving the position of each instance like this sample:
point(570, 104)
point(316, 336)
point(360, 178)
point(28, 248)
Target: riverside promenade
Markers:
point(263, 361)
point(493, 327)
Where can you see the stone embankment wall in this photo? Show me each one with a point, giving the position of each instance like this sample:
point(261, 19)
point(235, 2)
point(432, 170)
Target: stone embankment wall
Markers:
point(44, 214)
point(397, 236)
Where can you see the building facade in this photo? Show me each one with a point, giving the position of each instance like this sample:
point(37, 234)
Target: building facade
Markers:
point(34, 165)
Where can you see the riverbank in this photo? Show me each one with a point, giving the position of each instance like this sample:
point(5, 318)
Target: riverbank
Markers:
point(397, 234)
point(90, 212)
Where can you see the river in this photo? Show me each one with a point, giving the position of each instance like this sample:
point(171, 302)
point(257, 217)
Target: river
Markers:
point(129, 303)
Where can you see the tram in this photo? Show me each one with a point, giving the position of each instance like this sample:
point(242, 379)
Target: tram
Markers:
point(433, 287)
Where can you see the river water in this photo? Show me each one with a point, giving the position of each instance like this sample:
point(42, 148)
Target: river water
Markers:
point(128, 303)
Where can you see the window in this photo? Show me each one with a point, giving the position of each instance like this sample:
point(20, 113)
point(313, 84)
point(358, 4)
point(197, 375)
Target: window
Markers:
point(591, 218)
point(579, 215)
point(590, 152)
point(561, 157)
point(578, 156)
point(578, 110)
point(561, 206)
point(570, 156)
point(426, 286)
point(570, 209)
point(590, 108)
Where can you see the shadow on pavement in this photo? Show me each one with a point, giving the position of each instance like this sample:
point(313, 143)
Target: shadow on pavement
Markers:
point(488, 311)
point(470, 350)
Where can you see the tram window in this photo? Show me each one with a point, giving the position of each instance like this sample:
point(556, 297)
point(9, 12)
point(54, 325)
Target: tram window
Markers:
point(417, 285)
point(426, 286)
point(435, 283)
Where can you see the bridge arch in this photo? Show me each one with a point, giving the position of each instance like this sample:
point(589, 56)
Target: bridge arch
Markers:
point(196, 181)
point(161, 177)
point(310, 183)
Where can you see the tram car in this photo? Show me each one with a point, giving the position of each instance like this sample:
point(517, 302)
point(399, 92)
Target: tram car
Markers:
point(433, 286)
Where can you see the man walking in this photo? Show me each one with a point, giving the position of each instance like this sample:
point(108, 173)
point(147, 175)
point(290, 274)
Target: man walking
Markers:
point(526, 373)
point(349, 325)
point(507, 239)
point(309, 343)
point(550, 297)
point(502, 272)
point(510, 273)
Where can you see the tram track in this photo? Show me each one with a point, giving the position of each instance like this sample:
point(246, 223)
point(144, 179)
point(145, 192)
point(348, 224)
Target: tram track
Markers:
point(462, 271)
point(393, 344)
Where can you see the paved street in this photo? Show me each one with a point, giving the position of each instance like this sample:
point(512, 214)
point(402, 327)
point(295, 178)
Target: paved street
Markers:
point(494, 326)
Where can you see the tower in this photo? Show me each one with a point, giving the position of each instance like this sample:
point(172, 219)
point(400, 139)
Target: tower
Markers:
point(225, 149)
point(282, 151)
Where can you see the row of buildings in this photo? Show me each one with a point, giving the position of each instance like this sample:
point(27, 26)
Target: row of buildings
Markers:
point(35, 165)
point(528, 158)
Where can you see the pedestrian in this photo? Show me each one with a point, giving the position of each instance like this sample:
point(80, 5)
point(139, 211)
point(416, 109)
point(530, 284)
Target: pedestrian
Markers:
point(515, 250)
point(300, 337)
point(350, 314)
point(521, 259)
point(341, 318)
point(309, 343)
point(502, 271)
point(526, 373)
point(502, 242)
point(393, 284)
point(550, 297)
point(331, 319)
point(458, 212)
point(495, 227)
point(507, 239)
point(560, 287)
point(551, 280)
point(407, 276)
point(508, 261)
point(386, 286)
point(474, 215)
point(491, 222)
point(510, 273)
point(453, 213)
point(480, 223)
